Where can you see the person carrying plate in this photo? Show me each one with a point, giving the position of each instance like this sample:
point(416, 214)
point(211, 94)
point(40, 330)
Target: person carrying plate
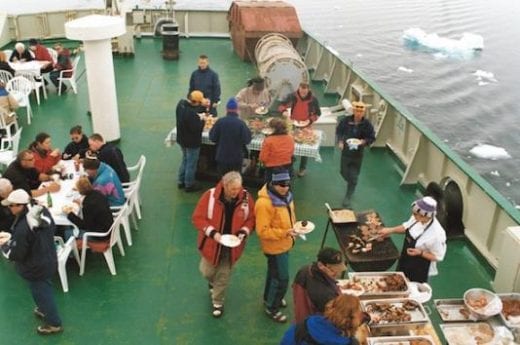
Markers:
point(304, 108)
point(315, 284)
point(252, 98)
point(227, 209)
point(275, 219)
point(353, 134)
point(424, 243)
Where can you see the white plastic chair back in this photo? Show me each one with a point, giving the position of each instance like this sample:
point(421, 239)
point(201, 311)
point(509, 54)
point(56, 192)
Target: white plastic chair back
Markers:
point(37, 82)
point(20, 87)
point(10, 146)
point(5, 76)
point(63, 251)
point(72, 78)
point(54, 54)
point(10, 128)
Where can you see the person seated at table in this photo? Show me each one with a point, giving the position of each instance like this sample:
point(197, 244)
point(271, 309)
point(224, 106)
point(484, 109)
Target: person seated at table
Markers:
point(78, 145)
point(6, 217)
point(315, 284)
point(110, 154)
point(277, 149)
point(41, 53)
point(252, 97)
point(105, 180)
point(8, 104)
point(304, 107)
point(4, 65)
point(342, 322)
point(20, 53)
point(63, 63)
point(45, 158)
point(23, 175)
point(97, 216)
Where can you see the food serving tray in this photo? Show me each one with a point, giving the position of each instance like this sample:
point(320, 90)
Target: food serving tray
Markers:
point(509, 297)
point(475, 333)
point(452, 310)
point(417, 315)
point(342, 216)
point(373, 284)
point(404, 340)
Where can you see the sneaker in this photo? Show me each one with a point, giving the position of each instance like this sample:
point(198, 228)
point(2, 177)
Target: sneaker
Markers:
point(218, 310)
point(48, 329)
point(38, 313)
point(301, 173)
point(277, 316)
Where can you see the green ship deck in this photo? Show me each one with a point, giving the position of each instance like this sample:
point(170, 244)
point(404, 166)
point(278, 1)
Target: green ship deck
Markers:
point(158, 295)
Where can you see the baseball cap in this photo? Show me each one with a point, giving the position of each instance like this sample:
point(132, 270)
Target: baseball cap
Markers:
point(17, 197)
point(332, 257)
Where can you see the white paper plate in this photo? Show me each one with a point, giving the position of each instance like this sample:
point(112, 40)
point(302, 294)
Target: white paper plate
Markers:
point(74, 206)
point(302, 230)
point(421, 292)
point(353, 141)
point(230, 240)
point(301, 123)
point(267, 131)
point(261, 110)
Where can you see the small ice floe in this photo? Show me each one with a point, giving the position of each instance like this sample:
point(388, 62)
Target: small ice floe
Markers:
point(495, 173)
point(517, 207)
point(468, 42)
point(483, 83)
point(359, 55)
point(404, 69)
point(484, 77)
point(508, 184)
point(486, 151)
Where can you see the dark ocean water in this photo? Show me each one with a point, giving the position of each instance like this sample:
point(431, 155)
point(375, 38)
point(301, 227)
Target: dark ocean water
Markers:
point(441, 92)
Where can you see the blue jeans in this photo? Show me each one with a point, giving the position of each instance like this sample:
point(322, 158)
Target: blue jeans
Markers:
point(277, 280)
point(190, 158)
point(43, 296)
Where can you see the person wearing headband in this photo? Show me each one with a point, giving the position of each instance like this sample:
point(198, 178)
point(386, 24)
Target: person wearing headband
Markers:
point(424, 243)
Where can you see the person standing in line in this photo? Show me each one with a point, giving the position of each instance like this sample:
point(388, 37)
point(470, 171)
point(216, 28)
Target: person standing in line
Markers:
point(355, 127)
point(252, 98)
point(32, 249)
point(206, 80)
point(227, 209)
point(277, 149)
point(275, 218)
point(304, 108)
point(231, 136)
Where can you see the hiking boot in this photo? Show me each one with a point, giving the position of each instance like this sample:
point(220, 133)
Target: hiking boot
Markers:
point(38, 313)
point(277, 316)
point(48, 329)
point(218, 310)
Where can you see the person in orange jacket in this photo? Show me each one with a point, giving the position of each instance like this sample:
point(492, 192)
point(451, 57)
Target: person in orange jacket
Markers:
point(227, 209)
point(277, 149)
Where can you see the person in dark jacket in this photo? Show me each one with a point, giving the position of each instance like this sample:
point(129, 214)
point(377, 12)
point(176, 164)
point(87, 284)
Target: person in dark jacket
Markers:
point(353, 134)
point(315, 284)
point(110, 154)
point(231, 135)
point(189, 137)
point(63, 63)
point(32, 249)
point(6, 217)
point(97, 216)
point(342, 323)
point(78, 145)
point(20, 53)
point(206, 80)
point(304, 108)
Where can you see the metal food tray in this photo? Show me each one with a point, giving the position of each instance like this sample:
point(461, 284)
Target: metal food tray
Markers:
point(403, 340)
point(506, 296)
point(449, 309)
point(339, 219)
point(377, 276)
point(464, 329)
point(419, 315)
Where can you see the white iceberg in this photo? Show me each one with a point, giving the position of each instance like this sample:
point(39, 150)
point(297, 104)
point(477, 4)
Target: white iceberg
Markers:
point(404, 69)
point(467, 43)
point(495, 173)
point(484, 77)
point(486, 151)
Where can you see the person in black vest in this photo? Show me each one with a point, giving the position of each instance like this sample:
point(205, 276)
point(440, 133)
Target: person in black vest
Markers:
point(189, 137)
point(78, 145)
point(108, 153)
point(206, 80)
point(231, 136)
point(32, 249)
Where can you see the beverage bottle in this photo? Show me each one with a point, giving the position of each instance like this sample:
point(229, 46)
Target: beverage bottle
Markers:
point(49, 200)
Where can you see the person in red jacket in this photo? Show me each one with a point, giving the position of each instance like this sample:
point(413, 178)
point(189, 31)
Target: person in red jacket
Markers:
point(305, 109)
point(41, 53)
point(45, 158)
point(227, 209)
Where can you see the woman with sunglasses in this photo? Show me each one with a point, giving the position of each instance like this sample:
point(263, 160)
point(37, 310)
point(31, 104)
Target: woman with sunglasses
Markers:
point(275, 219)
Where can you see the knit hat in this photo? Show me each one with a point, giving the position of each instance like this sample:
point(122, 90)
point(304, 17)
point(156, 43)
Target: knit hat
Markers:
point(196, 96)
point(426, 206)
point(333, 257)
point(17, 197)
point(232, 104)
point(281, 177)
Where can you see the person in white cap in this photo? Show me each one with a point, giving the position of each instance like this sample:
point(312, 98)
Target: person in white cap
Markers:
point(424, 242)
point(32, 249)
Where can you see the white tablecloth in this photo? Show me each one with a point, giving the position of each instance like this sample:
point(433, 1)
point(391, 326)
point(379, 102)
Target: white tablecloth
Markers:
point(305, 150)
point(29, 66)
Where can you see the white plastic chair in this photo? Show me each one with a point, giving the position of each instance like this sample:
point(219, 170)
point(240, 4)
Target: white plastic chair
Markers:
point(5, 76)
point(72, 78)
point(63, 251)
point(54, 54)
point(12, 126)
point(135, 184)
point(9, 148)
point(21, 88)
point(37, 83)
point(104, 247)
point(8, 53)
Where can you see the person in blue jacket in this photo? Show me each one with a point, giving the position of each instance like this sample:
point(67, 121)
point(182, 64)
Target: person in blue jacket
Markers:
point(339, 325)
point(206, 80)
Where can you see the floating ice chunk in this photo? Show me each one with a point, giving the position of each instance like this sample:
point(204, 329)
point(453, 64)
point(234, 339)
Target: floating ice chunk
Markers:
point(404, 69)
point(483, 83)
point(517, 207)
point(467, 43)
point(508, 184)
point(359, 55)
point(485, 151)
point(485, 76)
point(495, 173)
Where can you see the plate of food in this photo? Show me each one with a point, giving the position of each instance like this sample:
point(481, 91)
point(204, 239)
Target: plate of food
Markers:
point(261, 110)
point(230, 240)
point(354, 141)
point(304, 227)
point(267, 131)
point(482, 303)
point(304, 123)
point(349, 287)
point(4, 237)
point(72, 207)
